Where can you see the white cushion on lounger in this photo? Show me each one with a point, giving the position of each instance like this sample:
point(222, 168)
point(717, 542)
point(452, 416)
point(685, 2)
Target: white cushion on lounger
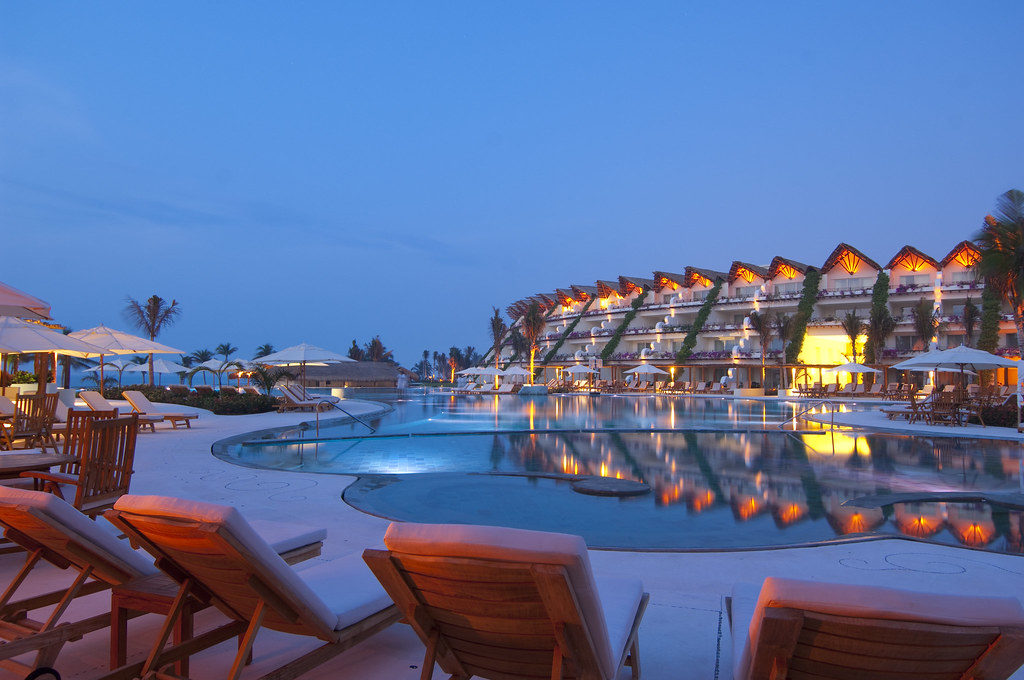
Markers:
point(73, 523)
point(347, 587)
point(235, 524)
point(620, 597)
point(515, 545)
point(844, 599)
point(283, 537)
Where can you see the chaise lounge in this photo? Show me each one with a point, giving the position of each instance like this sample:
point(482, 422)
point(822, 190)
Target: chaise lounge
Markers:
point(144, 407)
point(509, 603)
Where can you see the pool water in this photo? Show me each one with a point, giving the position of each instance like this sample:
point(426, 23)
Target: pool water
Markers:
point(722, 473)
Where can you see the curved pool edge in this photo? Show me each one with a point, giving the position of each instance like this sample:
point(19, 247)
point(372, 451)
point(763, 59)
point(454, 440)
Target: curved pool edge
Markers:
point(219, 447)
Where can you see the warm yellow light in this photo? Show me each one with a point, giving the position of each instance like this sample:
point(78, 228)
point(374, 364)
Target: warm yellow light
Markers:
point(747, 275)
point(966, 256)
point(849, 261)
point(788, 271)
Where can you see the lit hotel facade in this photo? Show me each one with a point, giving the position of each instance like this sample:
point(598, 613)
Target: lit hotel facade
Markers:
point(581, 320)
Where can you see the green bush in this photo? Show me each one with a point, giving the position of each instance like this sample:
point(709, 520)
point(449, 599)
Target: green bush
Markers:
point(23, 378)
point(690, 341)
point(988, 339)
point(999, 416)
point(804, 310)
point(613, 342)
point(569, 329)
point(226, 404)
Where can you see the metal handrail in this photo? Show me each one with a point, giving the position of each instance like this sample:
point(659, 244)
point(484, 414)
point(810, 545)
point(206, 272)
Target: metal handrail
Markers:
point(810, 407)
point(356, 418)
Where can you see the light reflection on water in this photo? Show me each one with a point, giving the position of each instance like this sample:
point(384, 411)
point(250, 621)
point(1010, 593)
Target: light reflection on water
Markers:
point(709, 488)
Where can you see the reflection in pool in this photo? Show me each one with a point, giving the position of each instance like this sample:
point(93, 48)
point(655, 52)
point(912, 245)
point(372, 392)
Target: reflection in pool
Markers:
point(710, 489)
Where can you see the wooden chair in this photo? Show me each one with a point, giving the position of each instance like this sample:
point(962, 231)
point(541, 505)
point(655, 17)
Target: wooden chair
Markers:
point(97, 402)
point(507, 603)
point(32, 422)
point(292, 401)
point(106, 452)
point(215, 556)
point(144, 407)
point(50, 530)
point(805, 629)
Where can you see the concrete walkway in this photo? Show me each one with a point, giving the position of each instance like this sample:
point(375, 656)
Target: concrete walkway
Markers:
point(681, 633)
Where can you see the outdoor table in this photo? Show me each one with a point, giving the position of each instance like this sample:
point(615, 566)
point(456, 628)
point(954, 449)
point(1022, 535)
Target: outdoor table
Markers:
point(13, 464)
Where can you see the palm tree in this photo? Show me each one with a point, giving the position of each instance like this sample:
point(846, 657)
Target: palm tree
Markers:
point(151, 318)
point(226, 349)
point(264, 350)
point(879, 328)
point(1001, 247)
point(972, 317)
point(268, 377)
point(498, 330)
point(853, 326)
point(441, 364)
point(425, 364)
point(470, 357)
point(925, 321)
point(200, 356)
point(762, 324)
point(454, 360)
point(783, 324)
point(533, 325)
point(375, 351)
point(356, 352)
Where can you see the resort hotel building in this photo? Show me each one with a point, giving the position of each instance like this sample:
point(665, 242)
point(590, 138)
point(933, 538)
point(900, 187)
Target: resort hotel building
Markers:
point(694, 322)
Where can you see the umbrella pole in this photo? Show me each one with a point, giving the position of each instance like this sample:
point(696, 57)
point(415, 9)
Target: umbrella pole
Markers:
point(101, 374)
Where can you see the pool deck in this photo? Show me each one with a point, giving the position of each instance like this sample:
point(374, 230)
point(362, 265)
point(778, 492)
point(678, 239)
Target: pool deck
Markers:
point(681, 633)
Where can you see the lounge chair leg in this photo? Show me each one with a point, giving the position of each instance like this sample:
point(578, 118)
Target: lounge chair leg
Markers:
point(634, 659)
point(427, 672)
point(245, 648)
point(165, 632)
point(556, 663)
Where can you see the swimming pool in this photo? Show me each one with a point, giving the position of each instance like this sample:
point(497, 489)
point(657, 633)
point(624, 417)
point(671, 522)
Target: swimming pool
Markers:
point(722, 474)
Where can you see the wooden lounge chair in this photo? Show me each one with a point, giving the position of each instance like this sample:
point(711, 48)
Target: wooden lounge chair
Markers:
point(106, 453)
point(875, 391)
point(293, 402)
point(216, 556)
point(144, 407)
point(204, 390)
point(301, 391)
point(506, 388)
point(32, 422)
point(96, 402)
point(507, 603)
point(49, 529)
point(251, 389)
point(810, 629)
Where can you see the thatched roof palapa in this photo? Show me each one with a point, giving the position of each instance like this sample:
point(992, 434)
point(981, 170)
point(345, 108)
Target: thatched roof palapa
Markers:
point(849, 258)
point(787, 267)
point(703, 277)
point(965, 253)
point(584, 293)
point(606, 288)
point(353, 374)
point(663, 279)
point(627, 284)
point(748, 272)
point(912, 258)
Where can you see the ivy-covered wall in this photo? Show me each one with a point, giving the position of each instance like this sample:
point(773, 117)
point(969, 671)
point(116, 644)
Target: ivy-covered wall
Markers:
point(988, 338)
point(613, 342)
point(804, 310)
point(568, 329)
point(879, 311)
point(690, 341)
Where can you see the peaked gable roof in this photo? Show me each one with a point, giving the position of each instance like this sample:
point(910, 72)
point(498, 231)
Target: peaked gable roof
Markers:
point(849, 258)
point(787, 267)
point(911, 258)
point(965, 253)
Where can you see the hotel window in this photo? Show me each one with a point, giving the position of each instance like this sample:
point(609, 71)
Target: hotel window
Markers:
point(966, 276)
point(700, 294)
point(720, 346)
point(954, 341)
point(916, 280)
point(853, 284)
point(1011, 340)
point(738, 319)
point(789, 287)
point(744, 291)
point(904, 343)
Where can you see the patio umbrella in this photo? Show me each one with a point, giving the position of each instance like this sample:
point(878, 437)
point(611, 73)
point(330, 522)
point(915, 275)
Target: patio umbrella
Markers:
point(112, 341)
point(963, 359)
point(647, 368)
point(17, 336)
point(515, 370)
point(852, 368)
point(472, 370)
point(117, 364)
point(301, 355)
point(580, 368)
point(13, 302)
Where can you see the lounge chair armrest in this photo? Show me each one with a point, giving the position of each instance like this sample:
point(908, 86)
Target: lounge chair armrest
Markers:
point(55, 477)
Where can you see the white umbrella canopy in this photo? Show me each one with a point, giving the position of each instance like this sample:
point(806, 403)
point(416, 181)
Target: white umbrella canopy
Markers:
point(165, 366)
point(976, 359)
point(22, 337)
point(303, 353)
point(113, 341)
point(117, 365)
point(647, 368)
point(579, 369)
point(852, 367)
point(472, 370)
point(919, 360)
point(490, 370)
point(515, 370)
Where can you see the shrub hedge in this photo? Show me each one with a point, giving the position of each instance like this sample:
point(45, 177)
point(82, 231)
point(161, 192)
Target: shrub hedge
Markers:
point(222, 404)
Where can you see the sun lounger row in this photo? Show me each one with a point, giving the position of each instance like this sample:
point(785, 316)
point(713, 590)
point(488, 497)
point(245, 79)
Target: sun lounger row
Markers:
point(485, 601)
point(504, 388)
point(208, 390)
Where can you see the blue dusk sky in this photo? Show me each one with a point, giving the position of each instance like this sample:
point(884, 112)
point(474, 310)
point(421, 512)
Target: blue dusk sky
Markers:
point(321, 171)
